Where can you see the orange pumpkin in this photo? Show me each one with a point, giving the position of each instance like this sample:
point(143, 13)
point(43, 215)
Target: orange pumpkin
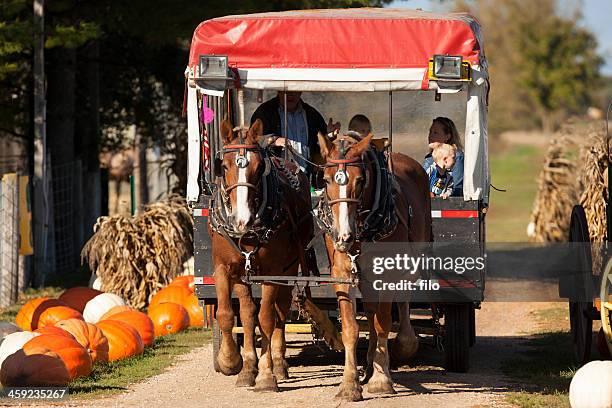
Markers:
point(170, 294)
point(115, 310)
point(186, 281)
point(195, 311)
point(89, 336)
point(74, 356)
point(40, 368)
point(181, 296)
point(140, 321)
point(168, 318)
point(78, 297)
point(54, 314)
point(123, 340)
point(29, 314)
point(53, 330)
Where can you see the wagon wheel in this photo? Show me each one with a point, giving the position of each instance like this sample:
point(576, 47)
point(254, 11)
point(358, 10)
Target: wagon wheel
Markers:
point(581, 322)
point(457, 333)
point(606, 304)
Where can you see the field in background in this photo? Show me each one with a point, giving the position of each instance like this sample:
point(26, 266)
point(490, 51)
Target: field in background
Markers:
point(514, 168)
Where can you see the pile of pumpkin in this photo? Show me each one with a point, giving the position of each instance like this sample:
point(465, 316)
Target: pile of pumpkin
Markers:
point(55, 341)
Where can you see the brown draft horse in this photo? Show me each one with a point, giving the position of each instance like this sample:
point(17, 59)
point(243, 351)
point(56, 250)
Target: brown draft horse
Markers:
point(260, 224)
point(348, 195)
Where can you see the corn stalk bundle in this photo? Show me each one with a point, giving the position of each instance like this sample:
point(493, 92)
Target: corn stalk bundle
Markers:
point(135, 256)
point(593, 183)
point(556, 194)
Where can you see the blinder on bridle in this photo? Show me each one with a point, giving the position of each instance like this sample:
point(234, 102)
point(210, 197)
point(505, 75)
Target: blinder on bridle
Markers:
point(242, 162)
point(341, 177)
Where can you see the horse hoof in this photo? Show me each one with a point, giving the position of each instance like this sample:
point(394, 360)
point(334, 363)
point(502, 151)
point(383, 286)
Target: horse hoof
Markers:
point(281, 373)
point(368, 374)
point(266, 384)
point(402, 349)
point(350, 392)
point(380, 386)
point(280, 369)
point(245, 379)
point(229, 366)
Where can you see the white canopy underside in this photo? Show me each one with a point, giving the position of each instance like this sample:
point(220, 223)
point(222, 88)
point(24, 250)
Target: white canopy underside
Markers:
point(476, 171)
point(335, 80)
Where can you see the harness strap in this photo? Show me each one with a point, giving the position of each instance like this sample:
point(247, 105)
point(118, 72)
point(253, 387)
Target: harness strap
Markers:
point(240, 184)
point(344, 200)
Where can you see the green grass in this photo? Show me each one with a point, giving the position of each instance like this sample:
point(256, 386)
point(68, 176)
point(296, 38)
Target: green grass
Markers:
point(516, 170)
point(559, 316)
point(546, 368)
point(116, 377)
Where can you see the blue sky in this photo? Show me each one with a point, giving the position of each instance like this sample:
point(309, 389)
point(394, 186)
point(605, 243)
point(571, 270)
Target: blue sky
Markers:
point(597, 18)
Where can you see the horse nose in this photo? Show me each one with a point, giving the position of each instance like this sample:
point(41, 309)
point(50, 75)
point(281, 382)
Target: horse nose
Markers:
point(241, 226)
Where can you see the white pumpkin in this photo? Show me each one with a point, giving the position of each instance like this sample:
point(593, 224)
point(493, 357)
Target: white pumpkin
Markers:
point(591, 386)
point(96, 307)
point(97, 284)
point(189, 266)
point(13, 342)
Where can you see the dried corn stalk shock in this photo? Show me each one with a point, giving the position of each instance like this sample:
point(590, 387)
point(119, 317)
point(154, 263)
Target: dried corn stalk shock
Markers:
point(557, 193)
point(594, 187)
point(136, 256)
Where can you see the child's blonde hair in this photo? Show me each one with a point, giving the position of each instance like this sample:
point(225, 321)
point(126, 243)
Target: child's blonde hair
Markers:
point(443, 150)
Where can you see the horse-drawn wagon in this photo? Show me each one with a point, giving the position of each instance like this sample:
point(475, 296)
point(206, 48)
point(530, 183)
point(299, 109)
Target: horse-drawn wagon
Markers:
point(394, 62)
point(589, 287)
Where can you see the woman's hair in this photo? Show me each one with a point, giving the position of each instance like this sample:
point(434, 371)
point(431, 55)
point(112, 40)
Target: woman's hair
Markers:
point(443, 150)
point(361, 124)
point(449, 127)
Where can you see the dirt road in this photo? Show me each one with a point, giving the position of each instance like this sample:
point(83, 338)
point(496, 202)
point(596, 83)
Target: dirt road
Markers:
point(314, 378)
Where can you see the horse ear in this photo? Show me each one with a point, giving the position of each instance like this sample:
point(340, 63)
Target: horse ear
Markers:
point(360, 147)
point(326, 145)
point(227, 130)
point(255, 131)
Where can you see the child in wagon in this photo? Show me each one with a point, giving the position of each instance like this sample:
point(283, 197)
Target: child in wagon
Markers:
point(440, 171)
point(443, 130)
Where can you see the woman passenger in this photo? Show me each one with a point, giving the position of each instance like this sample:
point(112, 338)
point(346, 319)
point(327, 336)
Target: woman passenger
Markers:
point(444, 131)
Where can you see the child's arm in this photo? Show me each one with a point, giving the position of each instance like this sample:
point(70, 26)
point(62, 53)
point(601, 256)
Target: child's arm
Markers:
point(448, 191)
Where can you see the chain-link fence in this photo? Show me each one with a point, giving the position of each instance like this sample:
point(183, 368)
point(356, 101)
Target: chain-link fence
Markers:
point(9, 239)
point(66, 205)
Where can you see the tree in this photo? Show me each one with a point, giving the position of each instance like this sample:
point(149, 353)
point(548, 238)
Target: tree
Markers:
point(540, 61)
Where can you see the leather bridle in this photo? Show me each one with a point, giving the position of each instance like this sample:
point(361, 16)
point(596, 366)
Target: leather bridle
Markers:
point(342, 164)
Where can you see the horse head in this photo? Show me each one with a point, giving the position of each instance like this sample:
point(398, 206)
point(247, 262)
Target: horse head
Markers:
point(346, 187)
point(242, 171)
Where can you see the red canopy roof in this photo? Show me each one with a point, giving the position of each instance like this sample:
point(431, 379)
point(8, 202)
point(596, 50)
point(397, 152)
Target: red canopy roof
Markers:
point(340, 38)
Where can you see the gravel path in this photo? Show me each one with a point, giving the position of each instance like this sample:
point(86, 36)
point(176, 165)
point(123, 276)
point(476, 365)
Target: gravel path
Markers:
point(314, 378)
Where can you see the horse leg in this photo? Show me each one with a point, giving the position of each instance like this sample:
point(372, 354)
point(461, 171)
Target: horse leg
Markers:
point(265, 380)
point(229, 359)
point(406, 344)
point(381, 382)
point(350, 389)
point(370, 309)
point(248, 311)
point(279, 347)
